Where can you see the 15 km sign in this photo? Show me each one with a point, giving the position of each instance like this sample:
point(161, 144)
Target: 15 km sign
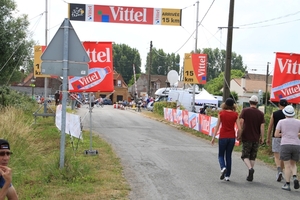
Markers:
point(195, 68)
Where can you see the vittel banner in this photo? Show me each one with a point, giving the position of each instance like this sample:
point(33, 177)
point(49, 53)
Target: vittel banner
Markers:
point(100, 75)
point(195, 68)
point(286, 79)
point(124, 14)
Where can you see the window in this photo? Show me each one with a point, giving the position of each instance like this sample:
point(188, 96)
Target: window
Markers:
point(157, 85)
point(119, 98)
point(119, 83)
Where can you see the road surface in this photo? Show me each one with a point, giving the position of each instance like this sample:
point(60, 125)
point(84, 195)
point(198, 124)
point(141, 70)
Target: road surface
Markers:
point(163, 163)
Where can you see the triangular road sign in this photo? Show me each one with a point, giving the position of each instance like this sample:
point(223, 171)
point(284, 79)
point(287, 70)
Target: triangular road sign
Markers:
point(55, 49)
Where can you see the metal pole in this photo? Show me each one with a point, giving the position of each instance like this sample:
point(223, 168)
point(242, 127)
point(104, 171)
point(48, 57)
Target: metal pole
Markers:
point(149, 71)
point(90, 110)
point(196, 40)
point(64, 91)
point(46, 43)
point(266, 93)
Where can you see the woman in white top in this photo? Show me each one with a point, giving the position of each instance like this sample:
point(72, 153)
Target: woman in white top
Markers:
point(288, 129)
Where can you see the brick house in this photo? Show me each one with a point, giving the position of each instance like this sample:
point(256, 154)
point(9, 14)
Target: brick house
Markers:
point(157, 81)
point(39, 82)
point(120, 92)
point(250, 84)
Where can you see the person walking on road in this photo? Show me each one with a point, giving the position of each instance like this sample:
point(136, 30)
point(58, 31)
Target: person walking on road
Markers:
point(7, 189)
point(252, 123)
point(276, 116)
point(227, 119)
point(288, 129)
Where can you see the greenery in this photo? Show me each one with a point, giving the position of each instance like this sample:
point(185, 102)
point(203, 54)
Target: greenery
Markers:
point(131, 81)
point(215, 85)
point(16, 49)
point(216, 62)
point(124, 58)
point(15, 99)
point(161, 62)
point(36, 161)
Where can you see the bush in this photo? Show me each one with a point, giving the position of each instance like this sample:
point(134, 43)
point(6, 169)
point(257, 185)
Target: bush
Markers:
point(159, 107)
point(12, 98)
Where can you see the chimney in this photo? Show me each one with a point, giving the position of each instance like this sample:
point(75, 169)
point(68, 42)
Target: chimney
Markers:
point(243, 82)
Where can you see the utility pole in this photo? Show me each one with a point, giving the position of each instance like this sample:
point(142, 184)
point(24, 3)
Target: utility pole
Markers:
point(149, 71)
point(46, 43)
point(226, 85)
point(267, 77)
point(196, 41)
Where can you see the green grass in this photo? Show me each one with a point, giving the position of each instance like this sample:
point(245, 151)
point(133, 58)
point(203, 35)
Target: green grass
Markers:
point(36, 161)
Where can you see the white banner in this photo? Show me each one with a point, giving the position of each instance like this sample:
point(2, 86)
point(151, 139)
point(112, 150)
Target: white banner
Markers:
point(72, 123)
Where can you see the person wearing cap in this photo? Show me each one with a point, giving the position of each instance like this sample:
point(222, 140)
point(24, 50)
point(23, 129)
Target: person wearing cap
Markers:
point(288, 129)
point(7, 189)
point(253, 124)
point(275, 117)
point(227, 118)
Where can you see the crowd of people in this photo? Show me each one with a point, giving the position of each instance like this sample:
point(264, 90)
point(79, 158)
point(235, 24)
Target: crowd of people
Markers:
point(283, 128)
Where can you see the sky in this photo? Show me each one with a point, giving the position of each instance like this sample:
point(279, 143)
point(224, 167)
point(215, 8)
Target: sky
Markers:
point(262, 27)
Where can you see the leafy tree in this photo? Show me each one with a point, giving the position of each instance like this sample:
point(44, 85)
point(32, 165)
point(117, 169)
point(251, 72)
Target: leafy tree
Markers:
point(215, 85)
point(124, 59)
point(162, 62)
point(216, 62)
point(131, 82)
point(15, 47)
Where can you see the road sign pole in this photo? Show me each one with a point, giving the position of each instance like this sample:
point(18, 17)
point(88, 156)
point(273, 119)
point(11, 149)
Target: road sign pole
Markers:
point(64, 91)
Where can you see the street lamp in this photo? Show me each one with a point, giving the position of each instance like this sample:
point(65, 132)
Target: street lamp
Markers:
point(32, 85)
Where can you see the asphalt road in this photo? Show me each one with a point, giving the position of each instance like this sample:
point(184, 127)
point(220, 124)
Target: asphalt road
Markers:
point(163, 163)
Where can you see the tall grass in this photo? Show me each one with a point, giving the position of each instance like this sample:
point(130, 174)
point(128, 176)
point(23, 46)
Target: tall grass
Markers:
point(35, 162)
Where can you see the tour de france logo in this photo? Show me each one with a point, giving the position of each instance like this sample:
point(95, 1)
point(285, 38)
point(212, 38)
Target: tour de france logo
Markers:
point(77, 12)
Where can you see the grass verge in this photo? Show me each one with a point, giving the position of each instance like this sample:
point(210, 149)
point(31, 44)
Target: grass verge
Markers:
point(36, 161)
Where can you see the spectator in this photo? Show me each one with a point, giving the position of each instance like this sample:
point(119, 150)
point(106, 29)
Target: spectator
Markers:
point(252, 123)
point(56, 97)
point(227, 119)
point(60, 97)
point(7, 189)
point(276, 116)
point(92, 99)
point(288, 129)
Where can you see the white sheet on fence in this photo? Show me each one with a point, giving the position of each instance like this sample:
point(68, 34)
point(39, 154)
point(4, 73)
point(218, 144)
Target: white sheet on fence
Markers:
point(72, 123)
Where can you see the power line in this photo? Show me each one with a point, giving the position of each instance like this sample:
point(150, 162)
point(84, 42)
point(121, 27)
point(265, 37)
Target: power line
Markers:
point(195, 28)
point(268, 20)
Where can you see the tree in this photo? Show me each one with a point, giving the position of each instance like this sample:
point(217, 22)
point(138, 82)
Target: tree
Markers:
point(15, 46)
point(124, 58)
point(162, 62)
point(216, 62)
point(215, 85)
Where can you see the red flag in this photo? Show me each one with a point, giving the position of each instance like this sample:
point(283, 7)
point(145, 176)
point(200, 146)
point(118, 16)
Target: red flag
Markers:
point(286, 79)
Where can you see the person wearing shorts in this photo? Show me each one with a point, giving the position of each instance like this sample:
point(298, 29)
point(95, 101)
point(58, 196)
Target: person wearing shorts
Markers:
point(276, 116)
point(288, 129)
point(252, 123)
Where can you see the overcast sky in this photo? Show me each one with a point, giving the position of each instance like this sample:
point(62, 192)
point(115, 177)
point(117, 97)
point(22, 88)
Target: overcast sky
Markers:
point(263, 27)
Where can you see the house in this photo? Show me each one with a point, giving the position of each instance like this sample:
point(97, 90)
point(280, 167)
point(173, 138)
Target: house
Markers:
point(35, 86)
point(120, 92)
point(250, 84)
point(157, 81)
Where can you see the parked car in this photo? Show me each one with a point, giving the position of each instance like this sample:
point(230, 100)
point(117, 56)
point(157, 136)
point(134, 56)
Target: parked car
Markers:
point(107, 102)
